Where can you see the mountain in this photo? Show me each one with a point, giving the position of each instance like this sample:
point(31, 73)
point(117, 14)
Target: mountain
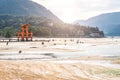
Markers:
point(43, 23)
point(24, 8)
point(109, 23)
point(43, 27)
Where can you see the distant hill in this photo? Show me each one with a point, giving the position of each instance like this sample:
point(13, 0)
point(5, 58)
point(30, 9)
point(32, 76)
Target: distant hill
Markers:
point(43, 22)
point(109, 23)
point(24, 8)
point(43, 27)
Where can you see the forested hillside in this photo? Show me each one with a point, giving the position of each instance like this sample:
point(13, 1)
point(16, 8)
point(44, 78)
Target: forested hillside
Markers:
point(108, 22)
point(43, 22)
point(24, 8)
point(44, 27)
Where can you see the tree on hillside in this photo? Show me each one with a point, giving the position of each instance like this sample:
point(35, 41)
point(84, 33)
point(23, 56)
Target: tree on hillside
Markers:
point(9, 32)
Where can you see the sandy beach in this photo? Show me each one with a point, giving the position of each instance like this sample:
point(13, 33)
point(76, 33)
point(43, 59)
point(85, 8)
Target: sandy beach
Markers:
point(61, 59)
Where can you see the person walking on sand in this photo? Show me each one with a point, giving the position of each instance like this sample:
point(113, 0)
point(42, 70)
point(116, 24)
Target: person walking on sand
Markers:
point(42, 43)
point(20, 52)
point(7, 43)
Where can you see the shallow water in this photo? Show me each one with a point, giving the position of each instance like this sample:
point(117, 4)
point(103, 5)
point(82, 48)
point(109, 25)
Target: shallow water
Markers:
point(90, 50)
point(79, 50)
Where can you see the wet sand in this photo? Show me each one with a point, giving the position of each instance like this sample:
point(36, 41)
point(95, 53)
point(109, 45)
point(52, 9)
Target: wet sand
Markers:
point(61, 59)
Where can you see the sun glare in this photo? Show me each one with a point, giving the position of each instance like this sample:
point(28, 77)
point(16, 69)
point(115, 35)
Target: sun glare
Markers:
point(72, 10)
point(64, 9)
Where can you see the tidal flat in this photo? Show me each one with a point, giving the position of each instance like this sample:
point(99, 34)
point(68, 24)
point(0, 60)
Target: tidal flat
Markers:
point(61, 59)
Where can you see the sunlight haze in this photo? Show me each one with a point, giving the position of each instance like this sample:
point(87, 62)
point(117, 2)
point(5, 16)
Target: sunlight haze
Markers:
point(71, 10)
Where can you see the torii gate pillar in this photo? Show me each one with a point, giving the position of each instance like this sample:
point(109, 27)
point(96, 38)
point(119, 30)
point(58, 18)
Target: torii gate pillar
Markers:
point(24, 34)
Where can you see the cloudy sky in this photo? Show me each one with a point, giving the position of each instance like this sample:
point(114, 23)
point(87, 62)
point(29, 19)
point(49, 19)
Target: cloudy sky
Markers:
point(71, 10)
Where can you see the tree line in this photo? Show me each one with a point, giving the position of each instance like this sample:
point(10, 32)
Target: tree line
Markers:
point(43, 27)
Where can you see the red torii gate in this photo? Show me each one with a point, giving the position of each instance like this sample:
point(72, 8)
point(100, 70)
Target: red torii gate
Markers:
point(24, 34)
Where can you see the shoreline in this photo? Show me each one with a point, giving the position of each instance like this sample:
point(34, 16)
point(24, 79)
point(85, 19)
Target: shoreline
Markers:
point(61, 59)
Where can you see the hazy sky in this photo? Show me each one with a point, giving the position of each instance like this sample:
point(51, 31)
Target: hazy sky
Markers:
point(71, 10)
